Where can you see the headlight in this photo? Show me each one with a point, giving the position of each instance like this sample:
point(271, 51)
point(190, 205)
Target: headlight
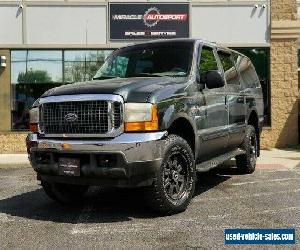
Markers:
point(140, 117)
point(34, 119)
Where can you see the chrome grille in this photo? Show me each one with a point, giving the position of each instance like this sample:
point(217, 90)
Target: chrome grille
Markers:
point(80, 117)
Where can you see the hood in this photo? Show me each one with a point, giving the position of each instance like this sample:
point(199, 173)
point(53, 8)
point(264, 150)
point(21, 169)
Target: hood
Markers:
point(136, 89)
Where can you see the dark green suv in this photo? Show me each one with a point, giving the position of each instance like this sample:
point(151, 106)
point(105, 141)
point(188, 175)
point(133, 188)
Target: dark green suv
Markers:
point(154, 114)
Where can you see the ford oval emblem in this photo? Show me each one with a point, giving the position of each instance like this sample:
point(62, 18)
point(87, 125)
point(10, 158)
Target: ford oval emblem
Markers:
point(71, 117)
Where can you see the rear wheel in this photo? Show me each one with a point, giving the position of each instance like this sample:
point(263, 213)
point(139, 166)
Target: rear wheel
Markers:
point(64, 193)
point(246, 163)
point(174, 183)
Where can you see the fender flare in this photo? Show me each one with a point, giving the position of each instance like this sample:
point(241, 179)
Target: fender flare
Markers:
point(182, 115)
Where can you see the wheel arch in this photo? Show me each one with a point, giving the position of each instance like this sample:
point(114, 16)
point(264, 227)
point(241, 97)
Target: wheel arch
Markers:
point(183, 127)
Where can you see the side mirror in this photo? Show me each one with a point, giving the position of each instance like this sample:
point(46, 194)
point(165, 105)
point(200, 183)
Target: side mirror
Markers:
point(212, 79)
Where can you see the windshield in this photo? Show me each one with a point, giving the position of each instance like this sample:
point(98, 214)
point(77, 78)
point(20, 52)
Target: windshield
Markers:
point(165, 59)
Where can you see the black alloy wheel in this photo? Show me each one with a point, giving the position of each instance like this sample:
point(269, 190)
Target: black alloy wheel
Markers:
point(175, 175)
point(246, 163)
point(174, 183)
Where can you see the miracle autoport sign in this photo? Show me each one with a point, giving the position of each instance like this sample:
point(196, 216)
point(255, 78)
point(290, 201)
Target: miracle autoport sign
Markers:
point(148, 20)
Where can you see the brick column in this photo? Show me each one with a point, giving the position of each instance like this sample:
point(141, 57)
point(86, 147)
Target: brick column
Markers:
point(9, 142)
point(5, 93)
point(284, 75)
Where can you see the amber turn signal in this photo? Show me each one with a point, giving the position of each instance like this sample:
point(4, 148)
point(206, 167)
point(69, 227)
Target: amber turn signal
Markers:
point(65, 146)
point(144, 125)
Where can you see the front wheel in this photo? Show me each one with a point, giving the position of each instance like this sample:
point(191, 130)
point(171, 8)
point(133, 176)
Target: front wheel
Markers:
point(246, 163)
point(64, 193)
point(174, 183)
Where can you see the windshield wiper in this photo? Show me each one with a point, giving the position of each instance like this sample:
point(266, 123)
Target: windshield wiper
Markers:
point(175, 75)
point(104, 77)
point(146, 75)
point(168, 74)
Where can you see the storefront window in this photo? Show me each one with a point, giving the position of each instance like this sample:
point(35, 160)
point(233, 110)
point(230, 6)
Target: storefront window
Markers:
point(32, 73)
point(82, 65)
point(260, 58)
point(35, 71)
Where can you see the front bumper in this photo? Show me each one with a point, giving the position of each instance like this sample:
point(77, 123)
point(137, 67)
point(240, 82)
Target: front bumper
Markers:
point(130, 159)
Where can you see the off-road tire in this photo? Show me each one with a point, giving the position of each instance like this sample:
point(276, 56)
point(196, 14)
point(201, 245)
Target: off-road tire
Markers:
point(161, 196)
point(246, 163)
point(64, 193)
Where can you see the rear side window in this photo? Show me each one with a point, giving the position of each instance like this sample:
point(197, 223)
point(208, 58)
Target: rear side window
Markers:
point(247, 72)
point(230, 72)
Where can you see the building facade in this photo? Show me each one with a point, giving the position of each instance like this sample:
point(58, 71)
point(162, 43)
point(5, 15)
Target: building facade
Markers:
point(44, 44)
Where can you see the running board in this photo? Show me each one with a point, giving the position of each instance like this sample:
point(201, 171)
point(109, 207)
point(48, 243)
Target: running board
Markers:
point(214, 162)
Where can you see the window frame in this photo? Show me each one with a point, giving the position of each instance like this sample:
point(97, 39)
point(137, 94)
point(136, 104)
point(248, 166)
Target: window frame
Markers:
point(200, 57)
point(244, 82)
point(225, 51)
point(214, 50)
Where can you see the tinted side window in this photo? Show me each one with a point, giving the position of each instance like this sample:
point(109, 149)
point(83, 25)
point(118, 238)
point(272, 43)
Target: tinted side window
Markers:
point(230, 71)
point(247, 72)
point(207, 61)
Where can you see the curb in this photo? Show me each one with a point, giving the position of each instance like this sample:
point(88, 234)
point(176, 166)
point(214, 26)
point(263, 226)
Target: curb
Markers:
point(14, 166)
point(14, 160)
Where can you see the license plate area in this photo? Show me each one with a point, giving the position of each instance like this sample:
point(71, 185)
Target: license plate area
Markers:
point(69, 166)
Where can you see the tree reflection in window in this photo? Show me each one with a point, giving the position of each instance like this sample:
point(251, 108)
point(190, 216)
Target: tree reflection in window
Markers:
point(34, 76)
point(35, 71)
point(82, 65)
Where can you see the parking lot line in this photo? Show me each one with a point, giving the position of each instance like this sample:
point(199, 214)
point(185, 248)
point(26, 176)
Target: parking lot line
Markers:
point(231, 197)
point(267, 211)
point(262, 181)
point(85, 213)
point(168, 226)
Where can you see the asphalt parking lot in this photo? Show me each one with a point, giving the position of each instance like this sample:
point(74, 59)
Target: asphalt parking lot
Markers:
point(118, 219)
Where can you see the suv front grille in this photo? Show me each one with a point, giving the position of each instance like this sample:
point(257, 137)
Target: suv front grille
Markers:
point(80, 117)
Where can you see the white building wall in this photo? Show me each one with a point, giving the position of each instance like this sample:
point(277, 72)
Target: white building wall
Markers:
point(230, 24)
point(66, 24)
point(10, 25)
